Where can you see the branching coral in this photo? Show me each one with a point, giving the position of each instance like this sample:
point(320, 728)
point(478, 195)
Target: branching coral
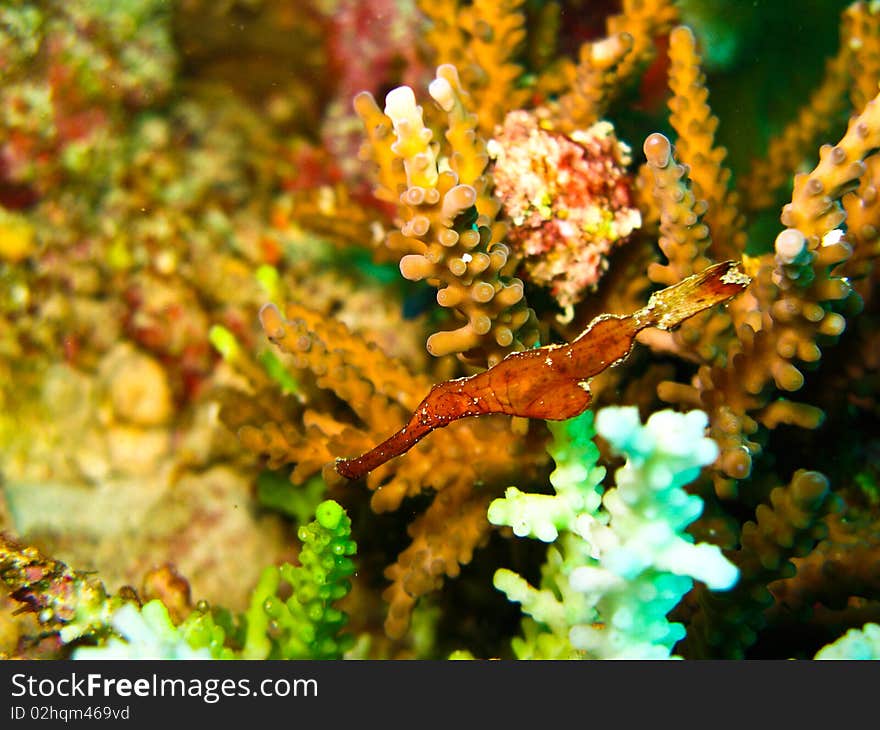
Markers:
point(861, 643)
point(445, 240)
point(608, 65)
point(481, 39)
point(306, 625)
point(617, 569)
point(695, 126)
point(684, 241)
point(147, 633)
point(794, 297)
point(844, 564)
point(378, 390)
point(788, 149)
point(789, 527)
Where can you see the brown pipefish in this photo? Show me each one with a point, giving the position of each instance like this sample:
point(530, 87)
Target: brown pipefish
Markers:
point(552, 382)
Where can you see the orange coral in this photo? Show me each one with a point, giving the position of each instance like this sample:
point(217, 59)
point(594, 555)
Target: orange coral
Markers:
point(792, 294)
point(695, 126)
point(607, 65)
point(379, 391)
point(684, 241)
point(448, 240)
point(861, 31)
point(862, 208)
point(845, 563)
point(481, 39)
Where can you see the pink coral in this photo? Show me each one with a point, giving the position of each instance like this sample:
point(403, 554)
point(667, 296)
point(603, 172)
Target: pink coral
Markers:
point(371, 46)
point(370, 43)
point(569, 199)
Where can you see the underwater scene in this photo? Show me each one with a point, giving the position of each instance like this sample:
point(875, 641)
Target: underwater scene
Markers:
point(439, 329)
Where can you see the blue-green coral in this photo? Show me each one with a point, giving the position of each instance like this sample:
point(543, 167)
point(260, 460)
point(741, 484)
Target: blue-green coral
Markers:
point(620, 562)
point(861, 643)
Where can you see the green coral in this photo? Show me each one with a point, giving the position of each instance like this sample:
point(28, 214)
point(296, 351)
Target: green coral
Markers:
point(149, 633)
point(297, 501)
point(620, 562)
point(307, 624)
point(577, 481)
point(202, 630)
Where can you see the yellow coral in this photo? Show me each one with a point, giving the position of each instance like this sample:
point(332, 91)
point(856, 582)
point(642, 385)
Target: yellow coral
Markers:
point(695, 125)
point(481, 39)
point(861, 31)
point(792, 291)
point(684, 241)
point(17, 237)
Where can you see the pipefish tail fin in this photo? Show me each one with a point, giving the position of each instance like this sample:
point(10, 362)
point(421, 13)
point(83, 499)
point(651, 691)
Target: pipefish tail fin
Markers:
point(715, 284)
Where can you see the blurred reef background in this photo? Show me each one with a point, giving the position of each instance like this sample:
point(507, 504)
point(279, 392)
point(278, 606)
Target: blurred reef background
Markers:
point(420, 188)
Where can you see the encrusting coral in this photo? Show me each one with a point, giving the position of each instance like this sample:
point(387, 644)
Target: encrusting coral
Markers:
point(568, 198)
point(221, 288)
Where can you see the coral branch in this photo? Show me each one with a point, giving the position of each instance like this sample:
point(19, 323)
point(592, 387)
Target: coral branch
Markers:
point(448, 234)
point(607, 65)
point(695, 125)
point(684, 241)
point(789, 527)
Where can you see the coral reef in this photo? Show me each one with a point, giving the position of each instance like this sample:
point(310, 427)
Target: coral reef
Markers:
point(235, 270)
